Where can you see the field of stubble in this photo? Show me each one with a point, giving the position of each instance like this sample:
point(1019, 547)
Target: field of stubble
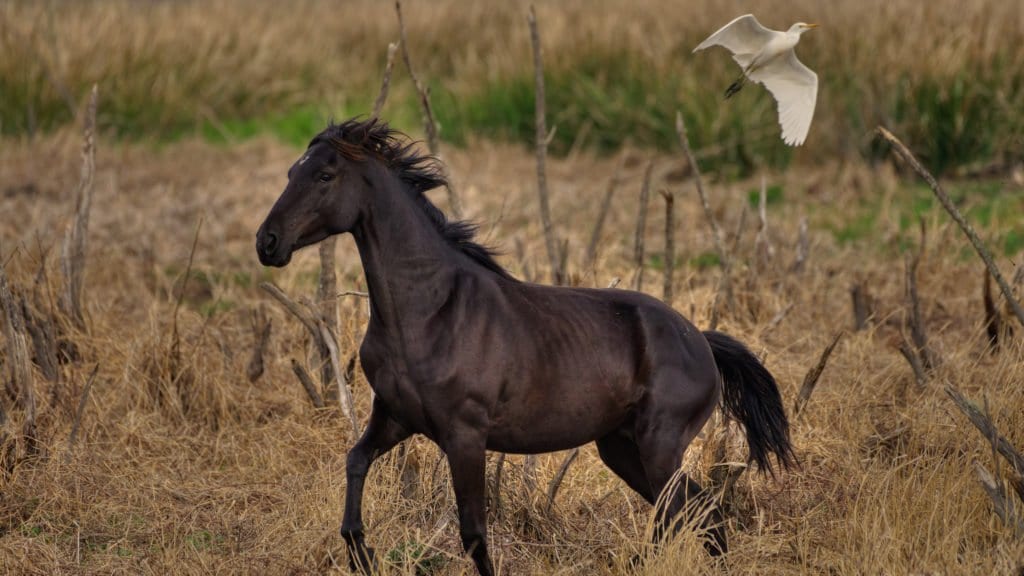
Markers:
point(182, 464)
point(190, 468)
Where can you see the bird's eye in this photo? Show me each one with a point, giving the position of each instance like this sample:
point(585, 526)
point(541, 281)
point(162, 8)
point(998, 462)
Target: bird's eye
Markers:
point(325, 177)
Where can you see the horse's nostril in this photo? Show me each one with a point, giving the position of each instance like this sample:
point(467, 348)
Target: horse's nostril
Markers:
point(271, 243)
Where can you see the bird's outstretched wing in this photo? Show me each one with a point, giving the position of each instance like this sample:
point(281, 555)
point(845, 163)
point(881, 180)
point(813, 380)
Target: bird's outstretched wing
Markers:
point(744, 37)
point(795, 88)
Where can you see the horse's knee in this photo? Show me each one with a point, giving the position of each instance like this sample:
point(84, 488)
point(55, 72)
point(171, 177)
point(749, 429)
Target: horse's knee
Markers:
point(357, 464)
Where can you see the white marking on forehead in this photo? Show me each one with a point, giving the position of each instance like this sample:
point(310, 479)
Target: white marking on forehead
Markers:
point(303, 159)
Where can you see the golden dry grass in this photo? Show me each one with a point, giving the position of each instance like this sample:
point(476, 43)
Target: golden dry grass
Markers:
point(191, 469)
point(197, 471)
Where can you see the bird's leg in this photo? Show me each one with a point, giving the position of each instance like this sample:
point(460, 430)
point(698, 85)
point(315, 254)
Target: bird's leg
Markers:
point(735, 86)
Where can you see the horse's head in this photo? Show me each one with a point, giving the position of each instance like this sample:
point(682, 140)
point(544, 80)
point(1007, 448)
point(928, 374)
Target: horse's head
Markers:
point(322, 198)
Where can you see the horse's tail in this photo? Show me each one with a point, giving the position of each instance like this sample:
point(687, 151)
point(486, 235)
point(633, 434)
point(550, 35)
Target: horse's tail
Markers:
point(751, 397)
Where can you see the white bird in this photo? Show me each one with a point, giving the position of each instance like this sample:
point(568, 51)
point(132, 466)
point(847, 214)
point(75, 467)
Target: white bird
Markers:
point(767, 56)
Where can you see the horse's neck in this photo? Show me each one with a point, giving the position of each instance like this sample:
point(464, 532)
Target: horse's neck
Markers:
point(409, 267)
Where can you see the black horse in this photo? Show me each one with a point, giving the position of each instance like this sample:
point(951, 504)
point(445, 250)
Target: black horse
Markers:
point(463, 353)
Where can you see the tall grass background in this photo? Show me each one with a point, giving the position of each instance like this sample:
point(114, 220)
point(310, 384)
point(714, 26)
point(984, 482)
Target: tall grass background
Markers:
point(948, 75)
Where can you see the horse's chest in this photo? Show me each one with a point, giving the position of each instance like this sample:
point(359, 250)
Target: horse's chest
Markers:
point(399, 392)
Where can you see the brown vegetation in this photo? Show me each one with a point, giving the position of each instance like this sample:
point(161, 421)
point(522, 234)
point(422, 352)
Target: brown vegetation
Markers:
point(192, 468)
point(154, 422)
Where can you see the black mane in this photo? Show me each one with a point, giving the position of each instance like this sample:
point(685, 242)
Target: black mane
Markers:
point(357, 139)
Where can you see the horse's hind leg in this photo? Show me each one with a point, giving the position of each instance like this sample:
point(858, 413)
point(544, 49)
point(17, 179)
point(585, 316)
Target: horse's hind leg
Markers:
point(619, 452)
point(467, 458)
point(381, 435)
point(675, 411)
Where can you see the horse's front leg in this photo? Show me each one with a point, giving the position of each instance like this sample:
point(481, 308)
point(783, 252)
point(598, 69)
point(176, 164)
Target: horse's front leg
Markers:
point(466, 450)
point(381, 435)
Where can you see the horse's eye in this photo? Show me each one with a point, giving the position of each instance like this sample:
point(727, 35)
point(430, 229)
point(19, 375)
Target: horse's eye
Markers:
point(325, 177)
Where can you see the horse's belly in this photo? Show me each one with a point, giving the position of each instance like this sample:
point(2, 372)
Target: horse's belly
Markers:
point(559, 421)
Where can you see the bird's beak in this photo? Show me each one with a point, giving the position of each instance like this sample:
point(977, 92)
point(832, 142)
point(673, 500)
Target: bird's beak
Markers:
point(813, 25)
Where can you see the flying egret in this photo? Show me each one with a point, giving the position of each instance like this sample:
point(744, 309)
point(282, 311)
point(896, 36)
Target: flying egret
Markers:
point(767, 56)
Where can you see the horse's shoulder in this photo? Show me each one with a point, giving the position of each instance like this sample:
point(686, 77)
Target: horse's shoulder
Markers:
point(372, 351)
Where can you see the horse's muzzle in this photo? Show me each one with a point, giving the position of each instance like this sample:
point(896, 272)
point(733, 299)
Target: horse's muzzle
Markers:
point(271, 250)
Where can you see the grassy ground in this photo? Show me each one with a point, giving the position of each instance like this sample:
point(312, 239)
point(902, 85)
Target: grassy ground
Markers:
point(183, 466)
point(946, 75)
point(195, 470)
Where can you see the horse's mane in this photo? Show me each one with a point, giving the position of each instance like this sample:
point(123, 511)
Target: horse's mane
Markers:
point(358, 139)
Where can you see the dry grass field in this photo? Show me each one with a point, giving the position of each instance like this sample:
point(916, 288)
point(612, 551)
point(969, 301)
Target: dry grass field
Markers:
point(182, 465)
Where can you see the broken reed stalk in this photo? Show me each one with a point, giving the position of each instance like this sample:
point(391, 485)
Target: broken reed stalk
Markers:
point(803, 247)
point(995, 489)
point(811, 379)
point(4, 462)
point(175, 353)
point(556, 482)
point(779, 316)
point(75, 246)
point(18, 360)
point(291, 306)
point(530, 473)
point(992, 317)
point(343, 393)
point(325, 342)
point(1002, 505)
point(723, 474)
point(385, 81)
point(606, 203)
point(737, 235)
point(988, 430)
point(763, 244)
point(861, 306)
point(410, 470)
point(550, 239)
point(716, 231)
point(261, 326)
point(327, 302)
point(929, 359)
point(524, 264)
point(19, 363)
point(670, 245)
point(429, 123)
point(965, 226)
point(495, 489)
point(327, 345)
point(914, 359)
point(80, 412)
point(307, 384)
point(327, 288)
point(641, 227)
point(44, 344)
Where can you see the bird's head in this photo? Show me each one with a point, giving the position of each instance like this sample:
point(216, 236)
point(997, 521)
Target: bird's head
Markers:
point(801, 27)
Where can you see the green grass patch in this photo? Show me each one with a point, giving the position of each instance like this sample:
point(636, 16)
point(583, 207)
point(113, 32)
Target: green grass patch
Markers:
point(949, 121)
point(705, 260)
point(295, 127)
point(608, 99)
point(417, 554)
point(1013, 242)
point(201, 540)
point(773, 196)
point(856, 227)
